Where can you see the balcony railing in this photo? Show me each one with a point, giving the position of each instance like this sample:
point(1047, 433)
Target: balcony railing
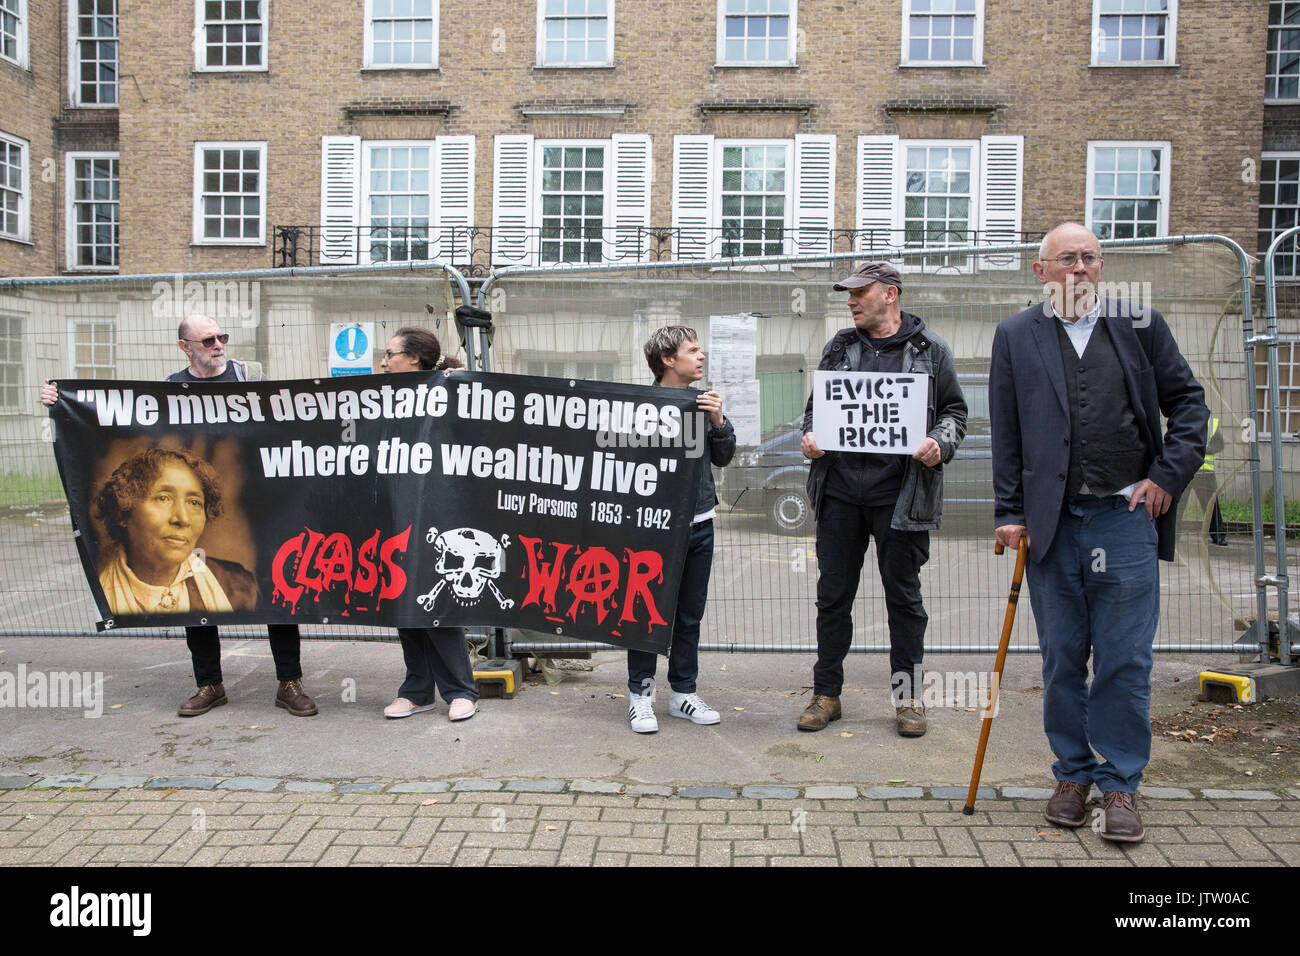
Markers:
point(475, 250)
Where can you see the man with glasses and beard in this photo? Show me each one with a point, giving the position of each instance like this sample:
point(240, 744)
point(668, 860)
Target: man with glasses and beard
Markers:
point(204, 344)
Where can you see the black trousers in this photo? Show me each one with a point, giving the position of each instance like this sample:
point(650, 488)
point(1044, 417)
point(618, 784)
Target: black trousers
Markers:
point(205, 652)
point(843, 533)
point(1206, 492)
point(436, 658)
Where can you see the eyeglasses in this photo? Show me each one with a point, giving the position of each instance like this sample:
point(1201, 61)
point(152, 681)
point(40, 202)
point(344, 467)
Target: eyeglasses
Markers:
point(389, 353)
point(1068, 260)
point(211, 340)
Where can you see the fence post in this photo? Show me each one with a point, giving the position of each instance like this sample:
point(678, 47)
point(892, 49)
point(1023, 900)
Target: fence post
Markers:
point(1274, 403)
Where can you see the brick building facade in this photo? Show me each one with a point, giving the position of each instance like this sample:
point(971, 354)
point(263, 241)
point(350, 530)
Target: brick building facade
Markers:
point(216, 122)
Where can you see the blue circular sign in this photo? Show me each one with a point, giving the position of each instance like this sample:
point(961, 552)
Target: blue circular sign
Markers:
point(351, 343)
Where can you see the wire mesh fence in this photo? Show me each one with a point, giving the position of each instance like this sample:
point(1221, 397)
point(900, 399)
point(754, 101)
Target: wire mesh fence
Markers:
point(591, 325)
point(126, 328)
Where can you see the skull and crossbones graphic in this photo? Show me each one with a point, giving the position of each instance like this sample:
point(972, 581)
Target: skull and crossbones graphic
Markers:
point(470, 561)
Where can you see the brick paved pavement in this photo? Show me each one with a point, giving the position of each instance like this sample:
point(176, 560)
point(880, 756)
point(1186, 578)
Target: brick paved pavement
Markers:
point(85, 820)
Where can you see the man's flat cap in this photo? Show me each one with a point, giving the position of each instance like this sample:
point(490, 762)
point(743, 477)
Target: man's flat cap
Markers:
point(869, 273)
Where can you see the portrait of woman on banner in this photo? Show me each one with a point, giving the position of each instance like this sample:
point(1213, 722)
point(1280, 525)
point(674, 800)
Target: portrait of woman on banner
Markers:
point(154, 509)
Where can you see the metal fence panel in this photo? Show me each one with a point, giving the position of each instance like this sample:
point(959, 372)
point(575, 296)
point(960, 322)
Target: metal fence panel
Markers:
point(126, 328)
point(591, 322)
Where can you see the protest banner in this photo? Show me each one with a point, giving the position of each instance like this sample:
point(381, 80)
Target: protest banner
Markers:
point(883, 413)
point(418, 499)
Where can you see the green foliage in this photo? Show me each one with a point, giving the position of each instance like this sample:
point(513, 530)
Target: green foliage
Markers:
point(1238, 509)
point(23, 489)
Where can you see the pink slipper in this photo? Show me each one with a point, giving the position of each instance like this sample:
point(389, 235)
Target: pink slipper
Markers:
point(462, 708)
point(404, 708)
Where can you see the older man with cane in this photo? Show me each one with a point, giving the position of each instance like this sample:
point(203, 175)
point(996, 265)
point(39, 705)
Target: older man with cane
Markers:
point(1077, 388)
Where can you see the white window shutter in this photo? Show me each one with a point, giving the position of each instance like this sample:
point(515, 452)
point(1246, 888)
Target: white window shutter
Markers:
point(1002, 162)
point(630, 211)
point(513, 201)
point(340, 199)
point(814, 194)
point(694, 196)
point(451, 242)
point(879, 194)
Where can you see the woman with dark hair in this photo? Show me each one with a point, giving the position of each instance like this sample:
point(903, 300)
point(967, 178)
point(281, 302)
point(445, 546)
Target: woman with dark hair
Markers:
point(436, 658)
point(154, 508)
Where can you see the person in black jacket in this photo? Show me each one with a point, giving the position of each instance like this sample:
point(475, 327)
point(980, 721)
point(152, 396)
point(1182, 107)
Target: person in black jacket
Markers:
point(894, 499)
point(1077, 388)
point(674, 356)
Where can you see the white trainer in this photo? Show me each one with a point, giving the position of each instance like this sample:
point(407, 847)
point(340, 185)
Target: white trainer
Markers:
point(692, 708)
point(641, 710)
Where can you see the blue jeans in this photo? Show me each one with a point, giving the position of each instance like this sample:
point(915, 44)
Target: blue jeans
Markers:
point(1097, 590)
point(684, 652)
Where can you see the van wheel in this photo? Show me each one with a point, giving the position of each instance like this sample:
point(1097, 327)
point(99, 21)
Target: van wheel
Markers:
point(789, 512)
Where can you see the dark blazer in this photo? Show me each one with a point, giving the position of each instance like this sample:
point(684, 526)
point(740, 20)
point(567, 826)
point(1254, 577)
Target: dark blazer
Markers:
point(1031, 417)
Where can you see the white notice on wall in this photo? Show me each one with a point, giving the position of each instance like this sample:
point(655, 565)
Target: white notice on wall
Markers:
point(732, 348)
point(878, 412)
point(741, 406)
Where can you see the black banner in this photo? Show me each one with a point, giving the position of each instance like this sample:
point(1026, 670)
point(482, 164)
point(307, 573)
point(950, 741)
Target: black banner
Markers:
point(415, 500)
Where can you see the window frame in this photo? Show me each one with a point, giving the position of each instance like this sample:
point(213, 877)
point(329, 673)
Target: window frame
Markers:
point(24, 233)
point(962, 265)
point(1269, 51)
point(607, 175)
point(198, 239)
point(20, 38)
point(720, 145)
point(1166, 148)
point(363, 213)
point(586, 65)
point(977, 50)
point(74, 61)
point(1291, 277)
point(368, 41)
point(71, 223)
point(20, 388)
point(570, 362)
point(201, 43)
point(1171, 41)
point(1287, 391)
point(720, 54)
point(72, 342)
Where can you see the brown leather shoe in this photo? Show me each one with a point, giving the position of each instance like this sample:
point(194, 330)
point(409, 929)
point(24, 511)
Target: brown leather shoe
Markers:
point(294, 699)
point(1065, 808)
point(1121, 823)
point(909, 718)
point(820, 712)
point(204, 699)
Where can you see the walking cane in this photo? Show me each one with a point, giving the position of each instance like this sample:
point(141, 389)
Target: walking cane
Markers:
point(1009, 619)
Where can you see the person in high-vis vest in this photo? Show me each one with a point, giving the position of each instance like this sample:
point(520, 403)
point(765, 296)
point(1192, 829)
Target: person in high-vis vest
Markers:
point(1206, 489)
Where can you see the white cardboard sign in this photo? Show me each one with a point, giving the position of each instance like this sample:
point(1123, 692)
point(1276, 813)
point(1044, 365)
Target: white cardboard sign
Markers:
point(878, 412)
